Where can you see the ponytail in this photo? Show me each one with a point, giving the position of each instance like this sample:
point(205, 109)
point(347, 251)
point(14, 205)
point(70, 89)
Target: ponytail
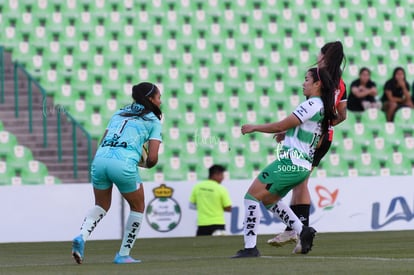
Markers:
point(333, 55)
point(327, 95)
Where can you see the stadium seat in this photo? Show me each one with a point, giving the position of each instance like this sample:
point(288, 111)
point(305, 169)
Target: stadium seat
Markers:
point(373, 119)
point(20, 157)
point(87, 54)
point(348, 150)
point(367, 165)
point(334, 165)
point(7, 143)
point(6, 173)
point(403, 119)
point(174, 168)
point(381, 149)
point(407, 147)
point(240, 167)
point(34, 173)
point(399, 165)
point(146, 174)
point(391, 133)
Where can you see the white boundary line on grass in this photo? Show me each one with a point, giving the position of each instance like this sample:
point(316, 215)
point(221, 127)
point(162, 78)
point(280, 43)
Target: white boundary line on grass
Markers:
point(379, 259)
point(346, 258)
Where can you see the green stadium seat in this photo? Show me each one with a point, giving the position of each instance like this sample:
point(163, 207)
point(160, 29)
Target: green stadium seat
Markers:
point(240, 167)
point(399, 165)
point(20, 157)
point(174, 170)
point(146, 174)
point(390, 133)
point(403, 119)
point(96, 125)
point(334, 165)
point(380, 149)
point(320, 171)
point(50, 180)
point(348, 150)
point(373, 120)
point(34, 173)
point(7, 143)
point(367, 165)
point(6, 173)
point(207, 50)
point(221, 155)
point(96, 97)
point(407, 147)
point(349, 123)
point(79, 110)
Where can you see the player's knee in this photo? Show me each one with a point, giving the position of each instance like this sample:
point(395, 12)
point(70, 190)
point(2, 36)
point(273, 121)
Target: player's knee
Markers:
point(137, 206)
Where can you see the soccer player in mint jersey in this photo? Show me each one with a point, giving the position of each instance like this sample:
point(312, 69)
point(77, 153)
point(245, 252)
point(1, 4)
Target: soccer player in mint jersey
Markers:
point(305, 126)
point(116, 163)
point(330, 58)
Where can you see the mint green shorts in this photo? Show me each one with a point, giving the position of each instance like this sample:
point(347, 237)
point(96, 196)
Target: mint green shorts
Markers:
point(108, 171)
point(282, 175)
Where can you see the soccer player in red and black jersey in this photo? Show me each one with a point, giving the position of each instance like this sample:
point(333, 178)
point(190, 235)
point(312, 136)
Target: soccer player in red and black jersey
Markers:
point(330, 58)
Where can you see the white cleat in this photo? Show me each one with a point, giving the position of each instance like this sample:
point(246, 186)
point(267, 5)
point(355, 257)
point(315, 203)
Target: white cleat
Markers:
point(283, 238)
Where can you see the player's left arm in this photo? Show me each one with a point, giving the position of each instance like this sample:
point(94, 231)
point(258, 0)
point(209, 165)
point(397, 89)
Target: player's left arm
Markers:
point(276, 127)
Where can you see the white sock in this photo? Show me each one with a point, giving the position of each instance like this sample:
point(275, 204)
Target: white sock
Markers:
point(251, 222)
point(132, 228)
point(288, 217)
point(94, 216)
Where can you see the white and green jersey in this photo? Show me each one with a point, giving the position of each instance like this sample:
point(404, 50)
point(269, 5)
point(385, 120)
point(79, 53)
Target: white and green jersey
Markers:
point(305, 137)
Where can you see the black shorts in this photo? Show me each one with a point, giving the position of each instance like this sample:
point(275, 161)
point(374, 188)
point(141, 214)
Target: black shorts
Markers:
point(322, 150)
point(206, 230)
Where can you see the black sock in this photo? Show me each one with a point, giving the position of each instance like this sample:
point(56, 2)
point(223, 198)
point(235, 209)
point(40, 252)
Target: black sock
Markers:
point(302, 211)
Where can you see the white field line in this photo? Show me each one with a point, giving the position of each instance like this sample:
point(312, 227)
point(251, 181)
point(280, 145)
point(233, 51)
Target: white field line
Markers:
point(307, 257)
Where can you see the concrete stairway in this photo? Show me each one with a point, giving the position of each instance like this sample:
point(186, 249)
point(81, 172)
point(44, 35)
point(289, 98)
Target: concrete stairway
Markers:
point(43, 109)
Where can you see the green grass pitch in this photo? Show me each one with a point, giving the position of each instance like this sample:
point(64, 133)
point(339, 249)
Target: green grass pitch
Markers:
point(333, 253)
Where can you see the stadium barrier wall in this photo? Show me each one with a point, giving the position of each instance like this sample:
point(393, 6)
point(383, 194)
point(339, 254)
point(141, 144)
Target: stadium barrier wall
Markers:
point(55, 212)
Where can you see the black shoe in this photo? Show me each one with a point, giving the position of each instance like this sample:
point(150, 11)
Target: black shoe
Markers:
point(247, 253)
point(306, 240)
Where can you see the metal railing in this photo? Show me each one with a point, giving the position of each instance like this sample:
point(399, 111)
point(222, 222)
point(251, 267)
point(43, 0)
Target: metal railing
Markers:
point(32, 82)
point(1, 74)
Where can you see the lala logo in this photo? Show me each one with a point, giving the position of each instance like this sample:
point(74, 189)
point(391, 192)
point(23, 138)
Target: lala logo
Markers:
point(326, 198)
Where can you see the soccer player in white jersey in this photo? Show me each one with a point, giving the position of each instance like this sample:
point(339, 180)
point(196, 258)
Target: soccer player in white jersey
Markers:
point(293, 164)
point(116, 163)
point(330, 58)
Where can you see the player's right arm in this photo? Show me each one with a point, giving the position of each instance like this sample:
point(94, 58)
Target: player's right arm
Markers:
point(153, 148)
point(302, 113)
point(341, 113)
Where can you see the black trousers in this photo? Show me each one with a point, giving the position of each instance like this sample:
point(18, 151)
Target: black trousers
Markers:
point(206, 230)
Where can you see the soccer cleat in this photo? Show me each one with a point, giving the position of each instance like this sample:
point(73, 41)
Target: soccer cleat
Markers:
point(247, 253)
point(305, 242)
point(125, 259)
point(283, 238)
point(78, 246)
